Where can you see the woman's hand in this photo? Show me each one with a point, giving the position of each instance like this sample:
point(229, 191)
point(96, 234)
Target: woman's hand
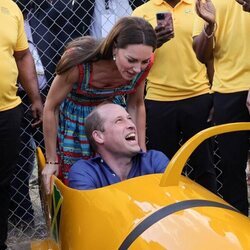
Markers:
point(48, 171)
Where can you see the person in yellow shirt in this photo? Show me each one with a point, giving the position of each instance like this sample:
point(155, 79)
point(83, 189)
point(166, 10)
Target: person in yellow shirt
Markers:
point(15, 61)
point(178, 99)
point(225, 36)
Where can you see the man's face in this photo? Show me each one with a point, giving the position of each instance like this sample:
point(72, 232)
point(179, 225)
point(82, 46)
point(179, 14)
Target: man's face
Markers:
point(120, 135)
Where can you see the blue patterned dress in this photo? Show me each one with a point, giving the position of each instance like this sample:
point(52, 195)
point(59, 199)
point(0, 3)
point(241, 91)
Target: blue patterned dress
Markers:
point(83, 98)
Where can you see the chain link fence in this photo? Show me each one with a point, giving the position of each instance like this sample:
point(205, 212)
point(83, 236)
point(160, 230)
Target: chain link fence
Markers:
point(49, 26)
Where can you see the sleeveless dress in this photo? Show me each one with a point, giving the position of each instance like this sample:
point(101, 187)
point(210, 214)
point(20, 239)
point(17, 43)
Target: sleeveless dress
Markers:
point(83, 98)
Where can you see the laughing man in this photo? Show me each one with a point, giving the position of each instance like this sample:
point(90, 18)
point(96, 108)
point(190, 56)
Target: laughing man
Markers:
point(113, 135)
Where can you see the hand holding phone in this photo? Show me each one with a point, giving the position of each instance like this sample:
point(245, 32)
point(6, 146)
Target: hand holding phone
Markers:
point(165, 20)
point(164, 29)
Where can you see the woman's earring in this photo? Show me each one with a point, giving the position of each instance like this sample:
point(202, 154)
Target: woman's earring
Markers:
point(114, 58)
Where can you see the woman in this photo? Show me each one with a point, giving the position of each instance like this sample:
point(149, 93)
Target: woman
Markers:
point(89, 73)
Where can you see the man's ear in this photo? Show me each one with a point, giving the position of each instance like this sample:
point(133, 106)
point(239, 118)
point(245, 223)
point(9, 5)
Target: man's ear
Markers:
point(98, 136)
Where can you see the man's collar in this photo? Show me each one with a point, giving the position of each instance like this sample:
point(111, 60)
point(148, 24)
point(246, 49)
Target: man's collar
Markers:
point(99, 158)
point(96, 158)
point(159, 2)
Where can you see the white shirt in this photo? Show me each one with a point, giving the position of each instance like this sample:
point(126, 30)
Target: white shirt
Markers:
point(38, 63)
point(105, 17)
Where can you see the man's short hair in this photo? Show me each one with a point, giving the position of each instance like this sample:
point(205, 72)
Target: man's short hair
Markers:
point(94, 121)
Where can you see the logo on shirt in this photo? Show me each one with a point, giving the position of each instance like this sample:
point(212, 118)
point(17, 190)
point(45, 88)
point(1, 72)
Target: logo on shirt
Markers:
point(5, 11)
point(188, 11)
point(56, 204)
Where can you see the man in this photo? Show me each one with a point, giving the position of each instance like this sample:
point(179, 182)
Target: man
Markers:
point(178, 100)
point(16, 60)
point(113, 135)
point(225, 36)
point(96, 17)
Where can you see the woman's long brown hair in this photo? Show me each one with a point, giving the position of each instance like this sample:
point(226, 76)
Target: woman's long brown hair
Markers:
point(127, 31)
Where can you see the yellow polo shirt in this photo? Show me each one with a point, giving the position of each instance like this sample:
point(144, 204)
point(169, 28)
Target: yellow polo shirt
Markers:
point(231, 47)
point(176, 73)
point(12, 38)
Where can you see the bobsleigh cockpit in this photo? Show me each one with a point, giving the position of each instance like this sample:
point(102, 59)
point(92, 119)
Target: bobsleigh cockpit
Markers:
point(158, 211)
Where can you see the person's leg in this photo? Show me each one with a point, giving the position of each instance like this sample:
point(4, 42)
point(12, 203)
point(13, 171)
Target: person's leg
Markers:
point(161, 127)
point(21, 211)
point(194, 113)
point(233, 148)
point(9, 146)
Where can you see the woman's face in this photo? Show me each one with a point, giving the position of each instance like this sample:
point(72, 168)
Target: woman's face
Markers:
point(132, 60)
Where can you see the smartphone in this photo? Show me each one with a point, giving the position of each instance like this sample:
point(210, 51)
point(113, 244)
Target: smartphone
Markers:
point(165, 19)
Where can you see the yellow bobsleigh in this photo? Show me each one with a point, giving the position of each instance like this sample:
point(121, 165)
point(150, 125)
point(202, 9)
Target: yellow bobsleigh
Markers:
point(158, 211)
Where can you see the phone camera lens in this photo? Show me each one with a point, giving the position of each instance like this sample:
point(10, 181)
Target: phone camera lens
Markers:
point(160, 16)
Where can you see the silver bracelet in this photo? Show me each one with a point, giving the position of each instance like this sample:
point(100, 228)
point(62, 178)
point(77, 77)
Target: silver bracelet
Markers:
point(52, 162)
point(212, 34)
